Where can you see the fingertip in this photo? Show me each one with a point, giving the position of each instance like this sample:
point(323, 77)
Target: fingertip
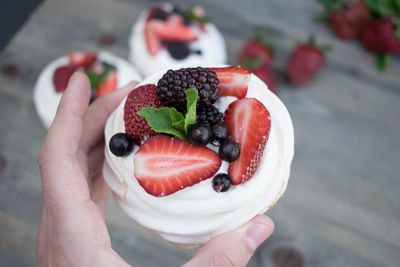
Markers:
point(259, 229)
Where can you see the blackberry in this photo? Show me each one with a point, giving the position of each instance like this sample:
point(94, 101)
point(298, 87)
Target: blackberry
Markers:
point(172, 86)
point(208, 115)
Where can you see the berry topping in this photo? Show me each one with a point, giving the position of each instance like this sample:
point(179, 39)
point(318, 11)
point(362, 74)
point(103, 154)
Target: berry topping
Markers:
point(82, 59)
point(172, 31)
point(164, 165)
point(135, 125)
point(121, 144)
point(221, 182)
point(249, 123)
point(208, 115)
point(220, 133)
point(177, 50)
point(229, 151)
point(157, 13)
point(172, 86)
point(233, 81)
point(61, 77)
point(152, 41)
point(107, 85)
point(200, 134)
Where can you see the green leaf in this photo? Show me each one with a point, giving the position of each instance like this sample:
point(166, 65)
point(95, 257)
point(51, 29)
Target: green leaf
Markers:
point(97, 78)
point(191, 103)
point(164, 120)
point(382, 61)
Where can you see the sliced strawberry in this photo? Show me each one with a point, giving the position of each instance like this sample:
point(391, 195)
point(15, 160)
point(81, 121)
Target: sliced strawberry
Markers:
point(152, 41)
point(164, 165)
point(82, 59)
point(249, 123)
point(61, 77)
point(108, 85)
point(135, 125)
point(170, 31)
point(233, 81)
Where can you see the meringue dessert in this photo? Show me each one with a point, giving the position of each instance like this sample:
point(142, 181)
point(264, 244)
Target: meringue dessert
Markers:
point(106, 72)
point(166, 36)
point(195, 152)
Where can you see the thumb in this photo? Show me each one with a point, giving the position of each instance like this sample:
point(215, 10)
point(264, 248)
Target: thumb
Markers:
point(234, 248)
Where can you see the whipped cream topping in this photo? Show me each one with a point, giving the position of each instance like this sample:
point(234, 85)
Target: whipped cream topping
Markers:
point(211, 43)
point(196, 213)
point(47, 99)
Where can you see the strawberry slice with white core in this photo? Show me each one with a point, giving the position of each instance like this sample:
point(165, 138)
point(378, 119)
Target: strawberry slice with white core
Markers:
point(82, 59)
point(171, 31)
point(233, 81)
point(152, 41)
point(108, 85)
point(164, 165)
point(249, 123)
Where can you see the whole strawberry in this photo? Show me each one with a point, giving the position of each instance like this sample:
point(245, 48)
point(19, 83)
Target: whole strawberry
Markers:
point(256, 53)
point(379, 36)
point(346, 17)
point(267, 76)
point(305, 62)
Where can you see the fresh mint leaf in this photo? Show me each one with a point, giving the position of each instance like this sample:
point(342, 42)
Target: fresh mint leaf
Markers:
point(191, 103)
point(164, 120)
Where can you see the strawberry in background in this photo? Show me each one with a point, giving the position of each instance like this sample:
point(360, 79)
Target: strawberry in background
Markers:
point(257, 55)
point(306, 61)
point(382, 33)
point(346, 17)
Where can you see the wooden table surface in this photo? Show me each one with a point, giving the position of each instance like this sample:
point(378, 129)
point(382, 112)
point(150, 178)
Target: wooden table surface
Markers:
point(342, 206)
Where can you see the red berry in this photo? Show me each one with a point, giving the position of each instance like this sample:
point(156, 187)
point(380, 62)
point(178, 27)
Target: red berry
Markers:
point(348, 21)
point(255, 55)
point(135, 125)
point(82, 59)
point(249, 123)
point(171, 31)
point(233, 81)
point(378, 36)
point(164, 165)
point(61, 77)
point(305, 62)
point(152, 41)
point(108, 85)
point(267, 76)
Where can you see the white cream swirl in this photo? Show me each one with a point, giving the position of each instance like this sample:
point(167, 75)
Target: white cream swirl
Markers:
point(195, 214)
point(211, 43)
point(47, 99)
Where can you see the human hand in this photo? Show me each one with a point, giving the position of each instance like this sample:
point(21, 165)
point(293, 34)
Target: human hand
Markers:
point(72, 230)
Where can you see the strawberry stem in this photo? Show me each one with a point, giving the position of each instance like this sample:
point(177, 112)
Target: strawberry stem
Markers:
point(260, 37)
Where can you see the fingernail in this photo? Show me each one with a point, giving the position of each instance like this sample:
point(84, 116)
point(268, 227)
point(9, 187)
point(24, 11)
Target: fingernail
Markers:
point(257, 233)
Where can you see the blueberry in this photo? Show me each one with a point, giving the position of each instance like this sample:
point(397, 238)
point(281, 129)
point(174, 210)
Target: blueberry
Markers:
point(220, 133)
point(200, 134)
point(229, 150)
point(221, 182)
point(121, 144)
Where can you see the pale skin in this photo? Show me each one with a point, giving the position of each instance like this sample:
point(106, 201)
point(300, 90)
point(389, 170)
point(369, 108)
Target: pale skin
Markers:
point(72, 230)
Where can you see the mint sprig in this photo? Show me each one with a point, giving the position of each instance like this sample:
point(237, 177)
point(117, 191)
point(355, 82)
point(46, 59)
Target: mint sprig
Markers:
point(170, 121)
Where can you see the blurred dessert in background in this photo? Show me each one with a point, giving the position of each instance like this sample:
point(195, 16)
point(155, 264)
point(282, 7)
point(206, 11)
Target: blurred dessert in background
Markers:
point(105, 71)
point(166, 36)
